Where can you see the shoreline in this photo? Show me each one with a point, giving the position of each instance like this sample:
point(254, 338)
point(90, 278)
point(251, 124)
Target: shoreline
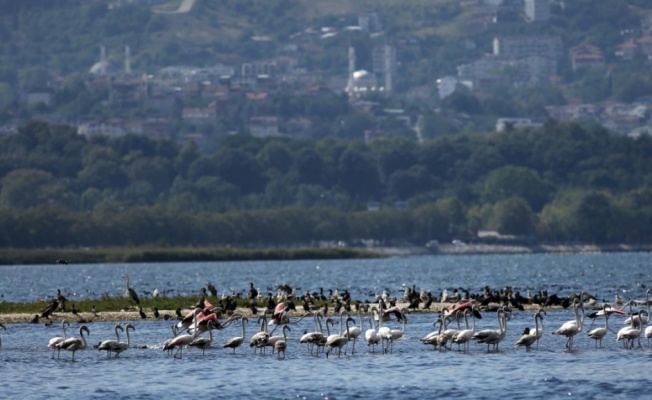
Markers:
point(133, 315)
point(11, 256)
point(495, 249)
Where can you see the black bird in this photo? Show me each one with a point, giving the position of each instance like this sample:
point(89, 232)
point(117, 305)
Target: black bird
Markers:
point(156, 313)
point(178, 313)
point(306, 304)
point(62, 301)
point(271, 304)
point(34, 319)
point(428, 301)
point(130, 292)
point(337, 306)
point(61, 261)
point(142, 313)
point(49, 309)
point(252, 306)
point(253, 293)
point(74, 311)
point(212, 289)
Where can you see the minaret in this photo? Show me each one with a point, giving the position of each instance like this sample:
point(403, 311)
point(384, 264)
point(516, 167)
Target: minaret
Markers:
point(350, 84)
point(103, 61)
point(388, 69)
point(127, 61)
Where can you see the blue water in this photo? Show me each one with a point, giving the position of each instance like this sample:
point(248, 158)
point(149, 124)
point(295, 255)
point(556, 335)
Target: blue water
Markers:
point(413, 370)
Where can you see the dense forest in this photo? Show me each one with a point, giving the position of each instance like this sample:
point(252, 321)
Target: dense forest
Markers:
point(559, 183)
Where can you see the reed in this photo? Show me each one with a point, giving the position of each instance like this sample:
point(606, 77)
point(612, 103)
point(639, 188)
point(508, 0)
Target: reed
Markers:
point(12, 256)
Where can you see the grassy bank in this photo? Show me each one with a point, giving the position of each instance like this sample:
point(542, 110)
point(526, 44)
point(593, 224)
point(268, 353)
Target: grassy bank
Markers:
point(112, 304)
point(173, 254)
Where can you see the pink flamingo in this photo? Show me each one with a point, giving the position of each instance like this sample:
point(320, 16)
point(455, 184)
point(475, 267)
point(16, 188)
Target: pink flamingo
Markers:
point(182, 340)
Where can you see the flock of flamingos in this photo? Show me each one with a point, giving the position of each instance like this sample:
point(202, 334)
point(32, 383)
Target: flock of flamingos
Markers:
point(455, 327)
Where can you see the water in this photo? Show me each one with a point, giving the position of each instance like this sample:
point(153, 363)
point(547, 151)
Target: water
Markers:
point(412, 370)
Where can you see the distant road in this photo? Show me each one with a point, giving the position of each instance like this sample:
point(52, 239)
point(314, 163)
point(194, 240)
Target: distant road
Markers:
point(184, 7)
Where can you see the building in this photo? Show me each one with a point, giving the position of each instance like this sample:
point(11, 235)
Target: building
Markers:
point(587, 56)
point(526, 46)
point(383, 59)
point(537, 10)
point(370, 21)
point(491, 71)
point(516, 123)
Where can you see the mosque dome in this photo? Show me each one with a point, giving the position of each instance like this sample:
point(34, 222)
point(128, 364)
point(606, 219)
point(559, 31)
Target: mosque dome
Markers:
point(102, 68)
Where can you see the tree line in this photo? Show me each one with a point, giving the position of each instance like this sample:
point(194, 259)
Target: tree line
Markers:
point(558, 183)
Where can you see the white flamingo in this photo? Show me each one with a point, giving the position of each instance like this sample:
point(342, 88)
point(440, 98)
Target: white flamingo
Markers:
point(494, 336)
point(338, 341)
point(531, 336)
point(260, 337)
point(109, 345)
point(464, 336)
point(282, 345)
point(168, 341)
point(123, 346)
point(371, 334)
point(436, 337)
point(638, 319)
point(204, 343)
point(631, 332)
point(237, 341)
point(310, 338)
point(73, 344)
point(52, 344)
point(355, 331)
point(648, 335)
point(573, 327)
point(598, 334)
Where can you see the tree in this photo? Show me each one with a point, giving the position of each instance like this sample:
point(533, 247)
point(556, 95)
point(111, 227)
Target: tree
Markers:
point(513, 216)
point(508, 181)
point(25, 188)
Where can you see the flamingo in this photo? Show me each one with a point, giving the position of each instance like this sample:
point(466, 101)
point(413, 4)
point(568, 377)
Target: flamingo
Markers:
point(168, 341)
point(338, 341)
point(530, 336)
point(237, 341)
point(204, 343)
point(452, 310)
point(648, 335)
point(465, 336)
point(355, 331)
point(122, 346)
point(491, 336)
point(130, 293)
point(282, 345)
point(436, 338)
point(395, 334)
point(181, 341)
point(639, 319)
point(109, 345)
point(56, 340)
point(631, 332)
point(598, 333)
point(573, 327)
point(73, 344)
point(5, 328)
point(309, 338)
point(261, 336)
point(383, 331)
point(371, 335)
